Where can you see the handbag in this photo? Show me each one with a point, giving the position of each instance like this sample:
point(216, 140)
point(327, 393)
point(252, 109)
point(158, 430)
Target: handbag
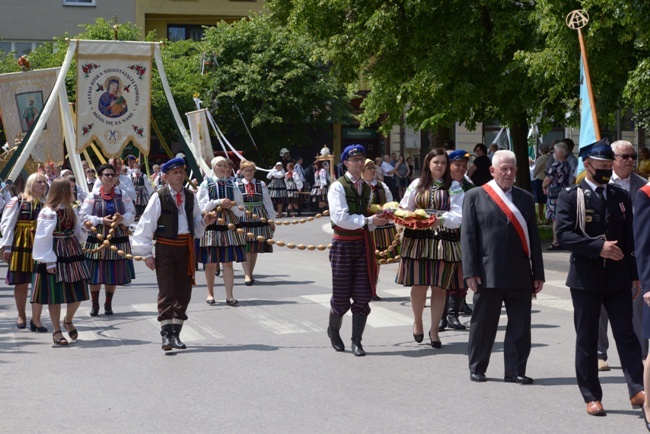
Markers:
point(553, 192)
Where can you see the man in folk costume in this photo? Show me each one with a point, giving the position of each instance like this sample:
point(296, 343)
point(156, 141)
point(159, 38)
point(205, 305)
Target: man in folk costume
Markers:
point(595, 223)
point(174, 220)
point(502, 263)
point(354, 270)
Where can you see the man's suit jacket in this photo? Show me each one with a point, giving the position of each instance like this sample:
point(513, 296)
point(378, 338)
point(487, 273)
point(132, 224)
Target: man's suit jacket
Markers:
point(588, 271)
point(636, 182)
point(642, 236)
point(490, 246)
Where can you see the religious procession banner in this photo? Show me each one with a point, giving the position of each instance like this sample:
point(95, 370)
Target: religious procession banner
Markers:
point(22, 98)
point(113, 95)
point(200, 132)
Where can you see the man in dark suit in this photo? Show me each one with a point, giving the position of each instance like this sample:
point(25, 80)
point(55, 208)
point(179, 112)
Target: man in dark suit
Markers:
point(502, 262)
point(594, 222)
point(624, 177)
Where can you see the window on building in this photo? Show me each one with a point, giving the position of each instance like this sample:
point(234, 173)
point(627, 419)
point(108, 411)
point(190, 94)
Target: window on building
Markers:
point(179, 32)
point(78, 2)
point(23, 48)
point(5, 46)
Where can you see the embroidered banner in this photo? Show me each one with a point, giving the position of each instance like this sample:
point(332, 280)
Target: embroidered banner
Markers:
point(200, 132)
point(113, 95)
point(22, 98)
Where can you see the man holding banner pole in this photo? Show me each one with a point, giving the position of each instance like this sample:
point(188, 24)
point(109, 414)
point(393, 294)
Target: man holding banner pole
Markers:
point(502, 263)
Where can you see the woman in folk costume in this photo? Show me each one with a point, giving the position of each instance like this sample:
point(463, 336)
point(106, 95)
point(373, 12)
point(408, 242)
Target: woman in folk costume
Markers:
point(277, 187)
point(294, 186)
point(431, 257)
point(319, 189)
point(110, 208)
point(219, 244)
point(143, 189)
point(18, 226)
point(258, 206)
point(60, 272)
point(380, 194)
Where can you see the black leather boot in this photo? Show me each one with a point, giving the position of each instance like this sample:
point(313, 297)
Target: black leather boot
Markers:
point(176, 340)
point(333, 332)
point(166, 333)
point(358, 324)
point(452, 313)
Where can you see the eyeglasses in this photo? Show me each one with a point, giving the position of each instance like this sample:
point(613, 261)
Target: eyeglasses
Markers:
point(626, 156)
point(109, 175)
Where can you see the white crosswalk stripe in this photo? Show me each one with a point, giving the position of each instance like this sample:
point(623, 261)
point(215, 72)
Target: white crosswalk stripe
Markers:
point(275, 319)
point(193, 331)
point(379, 317)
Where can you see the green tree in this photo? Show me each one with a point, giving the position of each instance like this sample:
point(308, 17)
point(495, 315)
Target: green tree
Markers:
point(278, 81)
point(435, 63)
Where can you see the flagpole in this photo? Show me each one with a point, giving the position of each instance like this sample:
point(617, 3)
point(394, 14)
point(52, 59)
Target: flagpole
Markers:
point(585, 65)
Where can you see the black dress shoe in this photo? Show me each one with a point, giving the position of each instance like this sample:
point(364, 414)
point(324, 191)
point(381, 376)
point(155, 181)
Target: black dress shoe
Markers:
point(478, 378)
point(376, 298)
point(33, 327)
point(248, 282)
point(467, 310)
point(519, 379)
point(418, 338)
point(94, 311)
point(443, 325)
point(108, 309)
point(454, 323)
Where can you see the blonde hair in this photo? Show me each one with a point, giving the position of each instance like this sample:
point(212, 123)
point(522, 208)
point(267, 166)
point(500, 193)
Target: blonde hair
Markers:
point(246, 164)
point(61, 195)
point(29, 185)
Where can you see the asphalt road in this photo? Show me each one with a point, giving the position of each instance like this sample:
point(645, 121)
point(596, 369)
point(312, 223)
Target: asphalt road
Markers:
point(267, 365)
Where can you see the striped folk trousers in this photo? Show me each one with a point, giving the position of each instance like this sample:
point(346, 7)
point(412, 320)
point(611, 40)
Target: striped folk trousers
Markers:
point(349, 277)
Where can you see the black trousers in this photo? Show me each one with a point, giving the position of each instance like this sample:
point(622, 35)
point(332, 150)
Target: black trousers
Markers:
point(174, 284)
point(484, 324)
point(586, 315)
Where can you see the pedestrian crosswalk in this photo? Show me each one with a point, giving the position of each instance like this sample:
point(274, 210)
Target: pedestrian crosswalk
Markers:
point(290, 316)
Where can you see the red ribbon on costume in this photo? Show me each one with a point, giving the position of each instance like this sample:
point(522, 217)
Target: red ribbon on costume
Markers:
point(250, 189)
point(510, 214)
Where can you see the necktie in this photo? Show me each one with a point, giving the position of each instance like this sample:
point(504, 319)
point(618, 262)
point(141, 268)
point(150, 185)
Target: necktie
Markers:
point(179, 199)
point(599, 192)
point(359, 185)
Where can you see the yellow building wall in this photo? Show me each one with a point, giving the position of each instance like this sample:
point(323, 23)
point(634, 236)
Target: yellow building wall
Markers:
point(157, 14)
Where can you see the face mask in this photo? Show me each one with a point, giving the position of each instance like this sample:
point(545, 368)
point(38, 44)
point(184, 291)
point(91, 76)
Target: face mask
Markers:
point(602, 176)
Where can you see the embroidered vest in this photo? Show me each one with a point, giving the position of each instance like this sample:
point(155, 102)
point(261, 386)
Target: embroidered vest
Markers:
point(357, 203)
point(168, 221)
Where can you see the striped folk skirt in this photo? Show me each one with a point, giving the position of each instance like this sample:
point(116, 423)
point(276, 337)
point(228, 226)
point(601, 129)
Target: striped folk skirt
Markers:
point(384, 237)
point(292, 189)
point(253, 225)
point(21, 266)
point(69, 282)
point(118, 272)
point(277, 189)
point(431, 258)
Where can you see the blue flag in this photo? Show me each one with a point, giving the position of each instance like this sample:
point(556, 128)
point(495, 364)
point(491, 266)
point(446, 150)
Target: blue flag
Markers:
point(587, 127)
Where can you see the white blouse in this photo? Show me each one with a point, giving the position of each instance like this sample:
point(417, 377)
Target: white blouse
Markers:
point(86, 211)
point(450, 219)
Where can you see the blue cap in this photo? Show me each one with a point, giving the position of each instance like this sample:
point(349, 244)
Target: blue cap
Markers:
point(353, 151)
point(458, 155)
point(598, 151)
point(172, 164)
point(131, 157)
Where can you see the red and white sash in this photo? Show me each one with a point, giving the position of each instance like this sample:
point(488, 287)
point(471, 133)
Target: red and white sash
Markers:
point(511, 211)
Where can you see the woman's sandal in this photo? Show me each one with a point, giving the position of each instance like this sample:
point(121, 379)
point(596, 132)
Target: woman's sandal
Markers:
point(72, 333)
point(232, 302)
point(60, 341)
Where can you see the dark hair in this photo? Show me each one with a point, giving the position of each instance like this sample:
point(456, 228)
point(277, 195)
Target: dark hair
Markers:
point(449, 145)
point(482, 147)
point(570, 143)
point(100, 169)
point(426, 180)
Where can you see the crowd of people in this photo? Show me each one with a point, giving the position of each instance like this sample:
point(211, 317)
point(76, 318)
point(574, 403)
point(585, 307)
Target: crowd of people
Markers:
point(484, 238)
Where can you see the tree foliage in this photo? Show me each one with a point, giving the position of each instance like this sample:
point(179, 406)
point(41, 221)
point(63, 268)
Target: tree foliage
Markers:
point(277, 80)
point(473, 60)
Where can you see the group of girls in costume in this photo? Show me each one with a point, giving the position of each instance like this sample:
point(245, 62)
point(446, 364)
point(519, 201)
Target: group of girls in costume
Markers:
point(43, 245)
